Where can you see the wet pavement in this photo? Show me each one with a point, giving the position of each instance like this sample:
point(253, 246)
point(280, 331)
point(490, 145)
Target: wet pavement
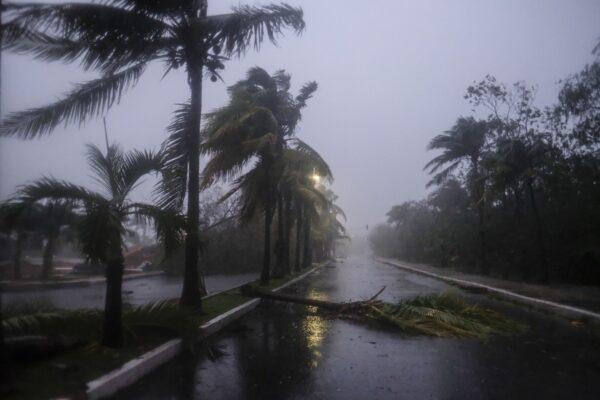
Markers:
point(284, 351)
point(135, 291)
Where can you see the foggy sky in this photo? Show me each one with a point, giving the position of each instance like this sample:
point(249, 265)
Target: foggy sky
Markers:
point(391, 75)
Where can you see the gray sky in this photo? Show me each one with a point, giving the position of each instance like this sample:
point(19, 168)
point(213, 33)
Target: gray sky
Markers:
point(391, 75)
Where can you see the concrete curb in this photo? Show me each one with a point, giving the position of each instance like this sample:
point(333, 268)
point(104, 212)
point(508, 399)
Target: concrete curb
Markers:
point(35, 285)
point(562, 310)
point(132, 371)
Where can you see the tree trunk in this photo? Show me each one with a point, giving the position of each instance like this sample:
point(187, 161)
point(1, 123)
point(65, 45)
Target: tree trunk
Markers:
point(539, 233)
point(279, 272)
point(265, 276)
point(191, 295)
point(483, 267)
point(112, 335)
point(48, 257)
point(307, 259)
point(299, 227)
point(18, 255)
point(287, 234)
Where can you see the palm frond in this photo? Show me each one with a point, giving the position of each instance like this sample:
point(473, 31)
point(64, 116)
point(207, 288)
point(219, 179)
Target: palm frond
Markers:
point(445, 315)
point(314, 158)
point(107, 167)
point(105, 37)
point(136, 164)
point(53, 189)
point(173, 185)
point(306, 92)
point(86, 100)
point(248, 25)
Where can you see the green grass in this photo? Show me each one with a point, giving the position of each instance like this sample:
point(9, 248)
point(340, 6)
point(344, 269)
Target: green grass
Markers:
point(68, 373)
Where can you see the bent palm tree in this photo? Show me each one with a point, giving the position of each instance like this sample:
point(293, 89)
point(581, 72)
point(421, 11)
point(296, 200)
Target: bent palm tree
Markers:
point(465, 142)
point(261, 115)
point(302, 164)
point(120, 38)
point(105, 213)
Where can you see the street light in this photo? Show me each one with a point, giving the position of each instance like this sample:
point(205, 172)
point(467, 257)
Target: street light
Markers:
point(316, 178)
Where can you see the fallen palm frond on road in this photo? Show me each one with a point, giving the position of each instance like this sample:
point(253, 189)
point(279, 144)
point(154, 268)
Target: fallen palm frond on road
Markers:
point(441, 315)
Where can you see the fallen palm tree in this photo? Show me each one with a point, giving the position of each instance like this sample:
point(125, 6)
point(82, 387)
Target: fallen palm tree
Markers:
point(441, 315)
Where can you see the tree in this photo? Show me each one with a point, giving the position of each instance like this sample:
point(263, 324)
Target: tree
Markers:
point(303, 167)
point(465, 142)
point(518, 161)
point(256, 124)
point(104, 216)
point(120, 38)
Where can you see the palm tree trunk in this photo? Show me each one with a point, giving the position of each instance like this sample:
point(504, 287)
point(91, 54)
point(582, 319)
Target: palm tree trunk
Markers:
point(18, 255)
point(307, 259)
point(299, 227)
point(191, 295)
point(539, 232)
point(278, 273)
point(287, 234)
point(112, 335)
point(48, 257)
point(265, 276)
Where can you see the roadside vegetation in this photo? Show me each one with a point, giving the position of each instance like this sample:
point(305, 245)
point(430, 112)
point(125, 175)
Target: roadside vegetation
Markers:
point(275, 183)
point(516, 190)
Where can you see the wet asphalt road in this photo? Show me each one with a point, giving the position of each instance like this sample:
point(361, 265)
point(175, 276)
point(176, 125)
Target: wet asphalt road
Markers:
point(135, 291)
point(283, 351)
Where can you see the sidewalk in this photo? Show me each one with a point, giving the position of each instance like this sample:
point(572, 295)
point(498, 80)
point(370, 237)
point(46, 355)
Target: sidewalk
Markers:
point(17, 286)
point(583, 300)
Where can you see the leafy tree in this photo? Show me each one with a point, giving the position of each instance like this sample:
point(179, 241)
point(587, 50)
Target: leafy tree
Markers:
point(465, 142)
point(104, 216)
point(120, 38)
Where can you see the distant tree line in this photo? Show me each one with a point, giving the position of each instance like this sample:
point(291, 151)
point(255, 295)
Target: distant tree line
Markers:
point(517, 193)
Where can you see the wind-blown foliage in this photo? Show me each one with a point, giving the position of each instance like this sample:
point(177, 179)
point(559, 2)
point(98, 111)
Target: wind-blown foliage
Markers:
point(162, 316)
point(445, 315)
point(119, 38)
point(257, 126)
point(104, 214)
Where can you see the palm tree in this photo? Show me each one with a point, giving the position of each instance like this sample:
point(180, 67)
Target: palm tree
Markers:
point(464, 143)
point(120, 38)
point(303, 166)
point(105, 213)
point(256, 124)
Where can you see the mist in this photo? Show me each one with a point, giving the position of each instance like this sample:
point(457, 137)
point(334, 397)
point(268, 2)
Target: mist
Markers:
point(391, 76)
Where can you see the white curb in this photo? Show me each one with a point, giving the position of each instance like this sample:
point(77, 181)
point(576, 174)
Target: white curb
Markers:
point(132, 371)
point(546, 305)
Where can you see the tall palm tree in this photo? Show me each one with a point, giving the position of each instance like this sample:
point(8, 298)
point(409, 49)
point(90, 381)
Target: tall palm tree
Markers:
point(256, 124)
point(302, 166)
point(105, 213)
point(120, 38)
point(464, 143)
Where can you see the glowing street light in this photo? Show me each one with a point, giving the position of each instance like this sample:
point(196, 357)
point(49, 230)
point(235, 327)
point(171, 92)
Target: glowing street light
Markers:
point(316, 178)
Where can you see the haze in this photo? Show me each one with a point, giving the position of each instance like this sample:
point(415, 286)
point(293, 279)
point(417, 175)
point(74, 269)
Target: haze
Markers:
point(391, 75)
